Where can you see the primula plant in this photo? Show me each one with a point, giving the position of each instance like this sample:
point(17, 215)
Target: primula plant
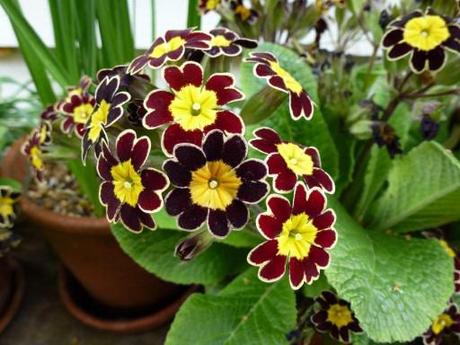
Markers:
point(9, 196)
point(335, 175)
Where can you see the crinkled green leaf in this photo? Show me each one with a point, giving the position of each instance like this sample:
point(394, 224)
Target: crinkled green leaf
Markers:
point(396, 286)
point(312, 133)
point(423, 191)
point(247, 312)
point(154, 251)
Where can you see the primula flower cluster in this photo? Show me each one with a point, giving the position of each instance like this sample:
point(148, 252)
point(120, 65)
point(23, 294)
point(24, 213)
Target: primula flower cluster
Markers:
point(183, 146)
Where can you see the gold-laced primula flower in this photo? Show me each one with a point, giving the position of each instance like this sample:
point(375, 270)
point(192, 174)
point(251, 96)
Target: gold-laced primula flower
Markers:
point(287, 161)
point(268, 67)
point(423, 36)
point(129, 191)
point(298, 236)
point(446, 323)
point(208, 5)
point(8, 209)
point(227, 42)
point(214, 182)
point(108, 109)
point(77, 110)
point(171, 47)
point(44, 132)
point(192, 108)
point(243, 13)
point(33, 149)
point(335, 317)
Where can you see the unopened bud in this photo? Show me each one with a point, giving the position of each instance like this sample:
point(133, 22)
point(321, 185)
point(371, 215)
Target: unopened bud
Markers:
point(193, 245)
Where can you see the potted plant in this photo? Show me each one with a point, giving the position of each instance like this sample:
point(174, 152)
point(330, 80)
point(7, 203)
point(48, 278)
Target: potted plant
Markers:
point(99, 284)
point(340, 244)
point(11, 274)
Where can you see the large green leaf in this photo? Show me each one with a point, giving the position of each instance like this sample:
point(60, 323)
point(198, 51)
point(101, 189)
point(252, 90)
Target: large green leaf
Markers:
point(154, 250)
point(312, 133)
point(247, 312)
point(423, 191)
point(396, 286)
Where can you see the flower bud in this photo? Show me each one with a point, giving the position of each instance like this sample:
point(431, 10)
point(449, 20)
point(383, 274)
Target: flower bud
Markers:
point(193, 245)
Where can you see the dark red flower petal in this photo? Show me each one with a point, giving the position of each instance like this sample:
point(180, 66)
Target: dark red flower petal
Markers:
point(108, 198)
point(149, 201)
point(280, 207)
point(319, 317)
point(276, 164)
point(157, 103)
point(154, 179)
point(324, 220)
point(103, 169)
point(269, 226)
point(190, 156)
point(263, 70)
point(436, 59)
point(296, 273)
point(274, 269)
point(300, 105)
point(355, 327)
point(238, 214)
point(319, 256)
point(326, 238)
point(329, 298)
point(232, 50)
point(299, 204)
point(140, 152)
point(124, 144)
point(177, 201)
point(265, 140)
point(285, 181)
point(175, 135)
point(227, 121)
point(252, 191)
point(399, 50)
point(193, 217)
point(452, 44)
point(190, 73)
point(147, 220)
point(213, 145)
point(179, 175)
point(223, 86)
point(392, 37)
point(234, 151)
point(138, 64)
point(311, 270)
point(263, 252)
point(314, 154)
point(252, 170)
point(277, 83)
point(130, 218)
point(316, 203)
point(321, 179)
point(418, 60)
point(218, 223)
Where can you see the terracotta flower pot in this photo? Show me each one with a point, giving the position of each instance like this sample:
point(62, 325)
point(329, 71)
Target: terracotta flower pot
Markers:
point(11, 290)
point(91, 254)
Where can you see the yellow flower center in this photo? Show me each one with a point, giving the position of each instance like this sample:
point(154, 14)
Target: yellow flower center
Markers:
point(98, 119)
point(167, 47)
point(6, 206)
point(194, 107)
point(291, 84)
point(426, 33)
point(82, 113)
point(43, 133)
point(214, 185)
point(296, 160)
point(447, 248)
point(127, 183)
point(339, 315)
point(212, 4)
point(442, 321)
point(243, 11)
point(297, 236)
point(36, 157)
point(220, 41)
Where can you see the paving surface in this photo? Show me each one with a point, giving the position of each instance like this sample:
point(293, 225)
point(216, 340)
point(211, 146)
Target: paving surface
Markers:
point(42, 319)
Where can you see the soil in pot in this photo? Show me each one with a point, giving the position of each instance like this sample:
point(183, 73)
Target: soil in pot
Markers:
point(85, 244)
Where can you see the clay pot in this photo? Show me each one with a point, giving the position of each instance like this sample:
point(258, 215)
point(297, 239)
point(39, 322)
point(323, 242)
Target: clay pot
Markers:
point(11, 290)
point(92, 255)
